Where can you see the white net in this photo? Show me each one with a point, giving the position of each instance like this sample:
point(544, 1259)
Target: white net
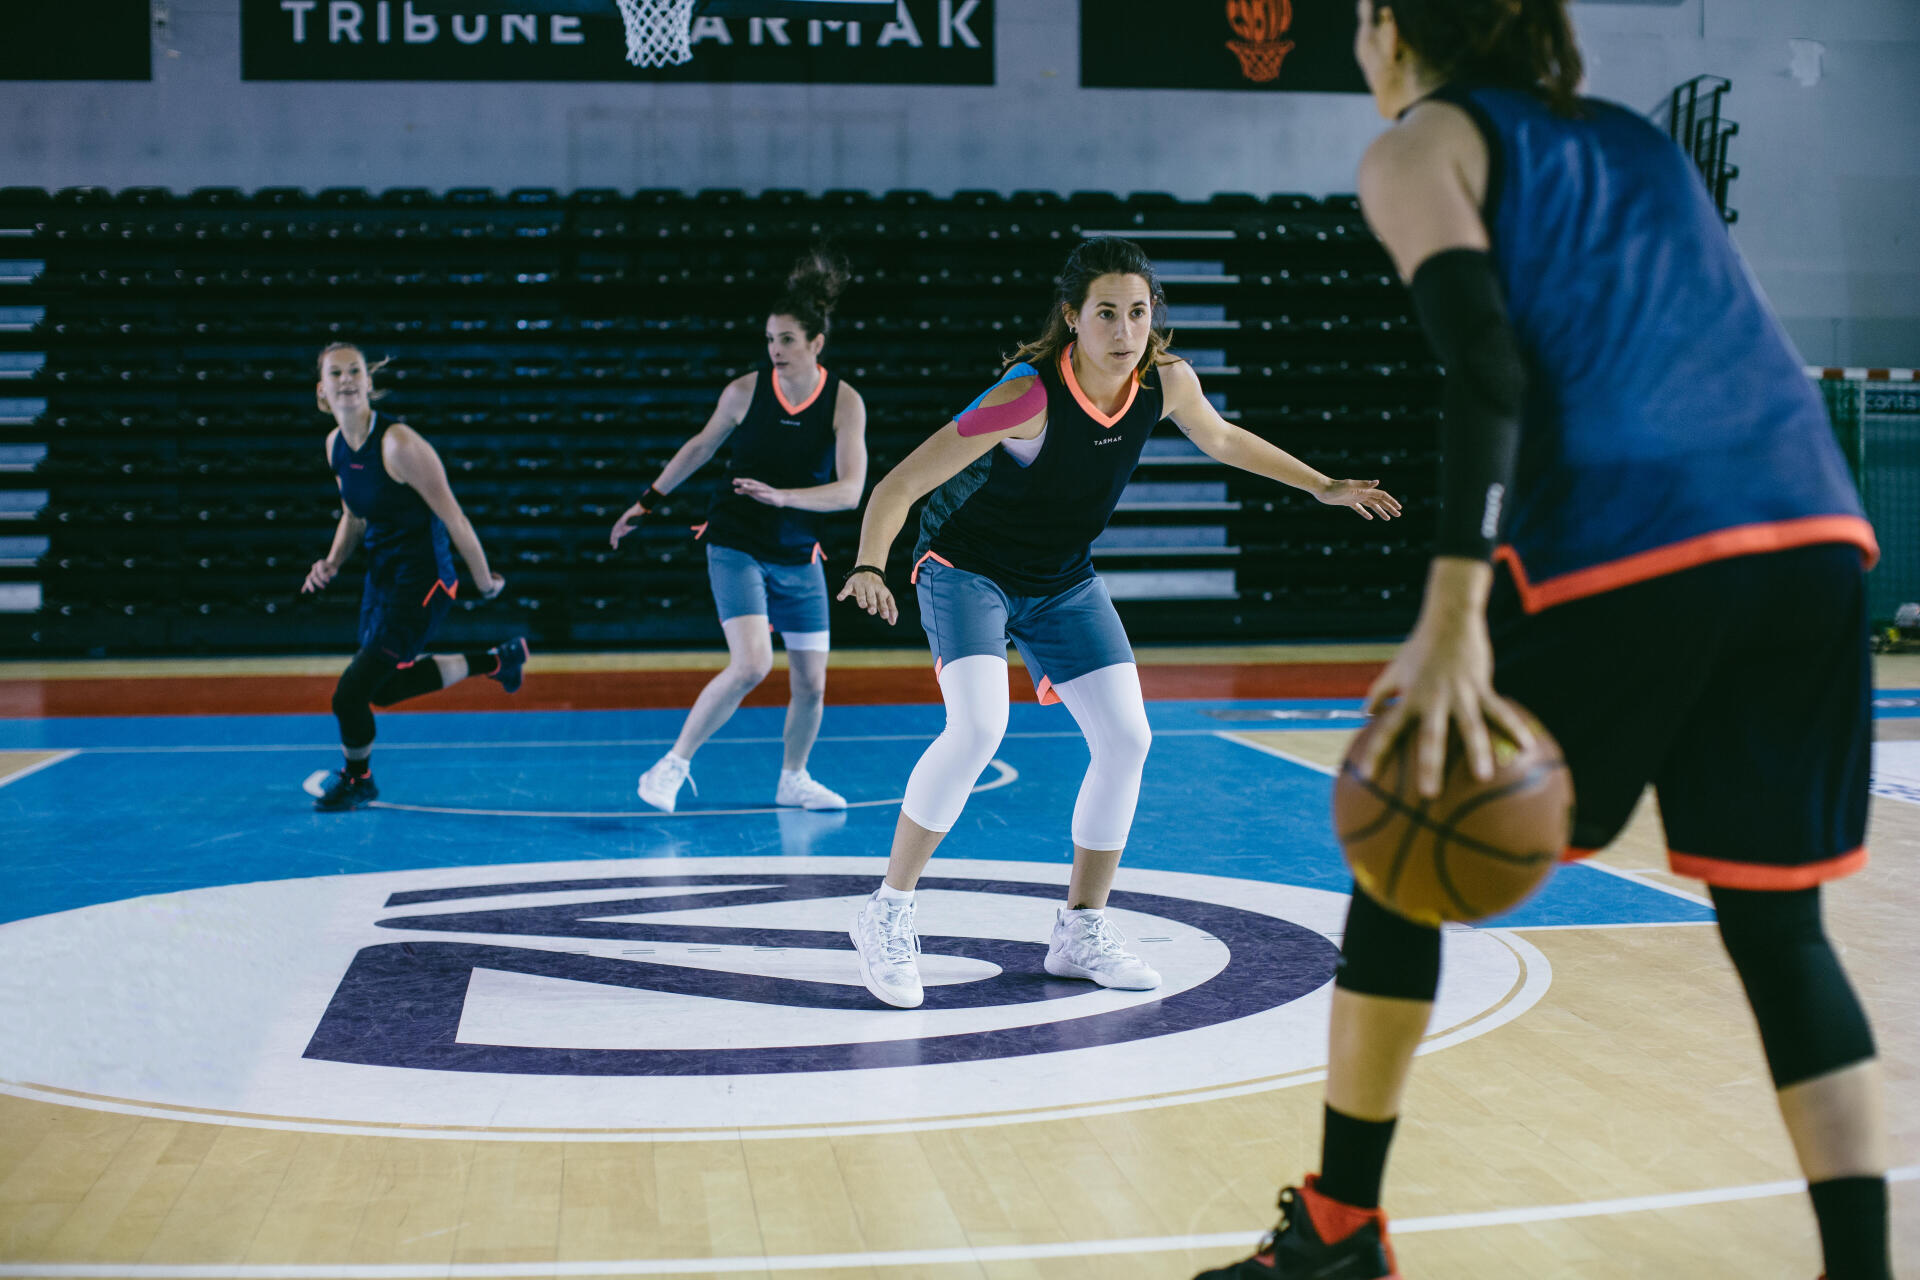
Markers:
point(658, 31)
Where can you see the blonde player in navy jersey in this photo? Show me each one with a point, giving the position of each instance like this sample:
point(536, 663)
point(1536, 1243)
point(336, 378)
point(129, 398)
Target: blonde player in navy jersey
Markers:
point(1022, 482)
point(797, 436)
point(1622, 403)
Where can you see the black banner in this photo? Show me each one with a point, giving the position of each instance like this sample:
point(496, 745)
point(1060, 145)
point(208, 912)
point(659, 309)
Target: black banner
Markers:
point(77, 40)
point(925, 42)
point(1303, 46)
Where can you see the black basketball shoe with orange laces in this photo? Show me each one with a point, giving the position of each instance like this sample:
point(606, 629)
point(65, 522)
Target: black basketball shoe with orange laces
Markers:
point(1318, 1238)
point(345, 791)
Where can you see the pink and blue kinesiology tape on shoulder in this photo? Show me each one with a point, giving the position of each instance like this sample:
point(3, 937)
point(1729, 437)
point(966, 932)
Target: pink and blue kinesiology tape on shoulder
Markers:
point(976, 421)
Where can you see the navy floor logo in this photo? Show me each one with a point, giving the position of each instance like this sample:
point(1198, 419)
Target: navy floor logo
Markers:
point(677, 998)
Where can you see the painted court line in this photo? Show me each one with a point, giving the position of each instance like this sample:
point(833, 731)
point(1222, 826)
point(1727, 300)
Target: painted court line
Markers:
point(886, 1258)
point(52, 760)
point(1004, 775)
point(517, 744)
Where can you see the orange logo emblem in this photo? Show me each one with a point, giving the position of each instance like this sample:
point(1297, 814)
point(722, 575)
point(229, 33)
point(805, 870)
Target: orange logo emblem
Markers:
point(1262, 26)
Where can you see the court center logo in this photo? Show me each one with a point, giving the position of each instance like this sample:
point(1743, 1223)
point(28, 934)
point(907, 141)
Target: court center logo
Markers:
point(666, 999)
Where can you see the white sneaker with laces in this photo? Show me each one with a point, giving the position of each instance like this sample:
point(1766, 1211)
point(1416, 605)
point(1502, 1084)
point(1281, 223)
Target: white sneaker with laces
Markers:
point(800, 789)
point(883, 935)
point(660, 785)
point(1086, 945)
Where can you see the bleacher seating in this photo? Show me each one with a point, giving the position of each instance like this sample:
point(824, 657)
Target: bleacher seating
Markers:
point(558, 347)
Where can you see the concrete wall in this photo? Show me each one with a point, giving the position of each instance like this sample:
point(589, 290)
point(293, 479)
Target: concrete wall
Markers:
point(1829, 192)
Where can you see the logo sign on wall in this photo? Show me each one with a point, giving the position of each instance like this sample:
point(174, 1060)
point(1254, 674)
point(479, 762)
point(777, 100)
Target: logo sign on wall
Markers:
point(1305, 46)
point(920, 42)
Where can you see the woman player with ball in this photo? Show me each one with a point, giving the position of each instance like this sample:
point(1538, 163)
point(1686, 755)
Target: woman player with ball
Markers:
point(1621, 399)
point(1022, 482)
point(798, 447)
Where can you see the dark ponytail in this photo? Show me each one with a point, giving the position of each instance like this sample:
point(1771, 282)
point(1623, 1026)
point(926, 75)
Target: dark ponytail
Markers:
point(1093, 258)
point(1516, 44)
point(815, 284)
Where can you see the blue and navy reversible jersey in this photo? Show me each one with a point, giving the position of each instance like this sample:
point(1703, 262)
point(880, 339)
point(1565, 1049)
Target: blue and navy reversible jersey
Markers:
point(788, 446)
point(405, 541)
point(1030, 527)
point(1668, 421)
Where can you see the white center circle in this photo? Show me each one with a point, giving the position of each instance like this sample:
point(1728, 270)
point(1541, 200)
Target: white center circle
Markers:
point(684, 998)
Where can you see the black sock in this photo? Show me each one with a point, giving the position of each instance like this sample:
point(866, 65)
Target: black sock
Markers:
point(1853, 1227)
point(483, 663)
point(360, 768)
point(1353, 1159)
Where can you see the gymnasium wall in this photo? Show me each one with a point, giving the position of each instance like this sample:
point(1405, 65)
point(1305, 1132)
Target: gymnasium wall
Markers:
point(1829, 190)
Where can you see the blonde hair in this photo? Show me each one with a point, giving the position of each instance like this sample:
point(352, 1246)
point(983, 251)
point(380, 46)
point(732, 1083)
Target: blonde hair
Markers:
point(373, 367)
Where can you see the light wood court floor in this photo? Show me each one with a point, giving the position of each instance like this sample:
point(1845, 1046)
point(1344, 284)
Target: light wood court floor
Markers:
point(1638, 1075)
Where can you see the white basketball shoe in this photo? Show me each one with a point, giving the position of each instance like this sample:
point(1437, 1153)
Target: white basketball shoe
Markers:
point(1086, 945)
point(660, 785)
point(883, 935)
point(798, 788)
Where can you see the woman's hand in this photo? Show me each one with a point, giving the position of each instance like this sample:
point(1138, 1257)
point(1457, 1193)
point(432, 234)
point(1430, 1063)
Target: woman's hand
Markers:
point(760, 492)
point(319, 576)
point(869, 590)
point(628, 521)
point(493, 589)
point(1364, 496)
point(1442, 677)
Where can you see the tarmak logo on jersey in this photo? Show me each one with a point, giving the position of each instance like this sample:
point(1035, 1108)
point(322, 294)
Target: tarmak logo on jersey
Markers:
point(402, 1004)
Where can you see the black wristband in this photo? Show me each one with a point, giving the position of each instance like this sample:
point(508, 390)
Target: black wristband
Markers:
point(1464, 312)
point(865, 568)
point(650, 499)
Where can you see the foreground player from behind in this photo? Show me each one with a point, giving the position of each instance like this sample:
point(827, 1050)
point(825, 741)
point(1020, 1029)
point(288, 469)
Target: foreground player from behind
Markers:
point(1023, 481)
point(798, 449)
point(396, 498)
point(1618, 386)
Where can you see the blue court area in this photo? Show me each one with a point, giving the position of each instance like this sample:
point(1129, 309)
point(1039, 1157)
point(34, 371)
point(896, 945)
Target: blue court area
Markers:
point(158, 804)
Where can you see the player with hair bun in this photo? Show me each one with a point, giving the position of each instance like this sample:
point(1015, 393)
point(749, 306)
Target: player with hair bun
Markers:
point(395, 497)
point(797, 439)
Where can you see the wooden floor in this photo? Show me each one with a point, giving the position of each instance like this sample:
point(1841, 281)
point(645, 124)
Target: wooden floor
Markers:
point(1638, 1075)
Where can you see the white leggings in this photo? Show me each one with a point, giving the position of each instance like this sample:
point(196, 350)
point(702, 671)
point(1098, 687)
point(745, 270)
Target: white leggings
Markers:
point(1105, 703)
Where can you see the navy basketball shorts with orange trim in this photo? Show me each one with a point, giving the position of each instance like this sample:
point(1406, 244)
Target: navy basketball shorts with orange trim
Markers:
point(1742, 690)
point(1060, 637)
point(399, 617)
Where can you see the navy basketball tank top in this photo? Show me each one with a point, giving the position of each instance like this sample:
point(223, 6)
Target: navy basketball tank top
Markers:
point(1030, 528)
point(1668, 421)
point(788, 446)
point(406, 543)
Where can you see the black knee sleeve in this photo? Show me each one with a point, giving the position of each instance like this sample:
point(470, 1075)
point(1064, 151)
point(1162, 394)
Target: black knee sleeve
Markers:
point(1387, 955)
point(1810, 1019)
point(418, 677)
point(354, 694)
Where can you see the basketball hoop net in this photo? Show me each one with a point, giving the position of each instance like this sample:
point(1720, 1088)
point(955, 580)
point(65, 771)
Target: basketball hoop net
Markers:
point(658, 32)
point(1260, 60)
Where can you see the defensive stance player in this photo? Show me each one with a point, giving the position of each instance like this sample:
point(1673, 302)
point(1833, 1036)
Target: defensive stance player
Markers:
point(1618, 389)
point(798, 436)
point(1023, 481)
point(396, 499)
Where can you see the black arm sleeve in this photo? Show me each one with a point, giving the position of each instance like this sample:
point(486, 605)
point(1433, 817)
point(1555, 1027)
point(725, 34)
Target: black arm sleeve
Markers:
point(1460, 305)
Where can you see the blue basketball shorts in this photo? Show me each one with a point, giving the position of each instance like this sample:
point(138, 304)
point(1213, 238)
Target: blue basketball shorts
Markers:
point(1060, 638)
point(793, 597)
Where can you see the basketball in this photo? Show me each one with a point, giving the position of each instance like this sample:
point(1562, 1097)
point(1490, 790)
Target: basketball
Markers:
point(1478, 849)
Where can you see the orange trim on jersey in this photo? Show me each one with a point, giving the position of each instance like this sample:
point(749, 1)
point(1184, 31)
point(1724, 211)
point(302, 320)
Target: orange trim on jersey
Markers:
point(1722, 544)
point(1761, 875)
point(819, 555)
point(452, 589)
point(1073, 385)
point(700, 530)
point(1575, 855)
point(1044, 692)
point(804, 405)
point(913, 579)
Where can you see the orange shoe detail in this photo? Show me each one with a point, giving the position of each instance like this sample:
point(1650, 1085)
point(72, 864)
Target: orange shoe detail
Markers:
point(1335, 1220)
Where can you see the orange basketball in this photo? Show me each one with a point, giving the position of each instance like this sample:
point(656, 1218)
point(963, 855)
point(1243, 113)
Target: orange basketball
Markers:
point(1476, 850)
